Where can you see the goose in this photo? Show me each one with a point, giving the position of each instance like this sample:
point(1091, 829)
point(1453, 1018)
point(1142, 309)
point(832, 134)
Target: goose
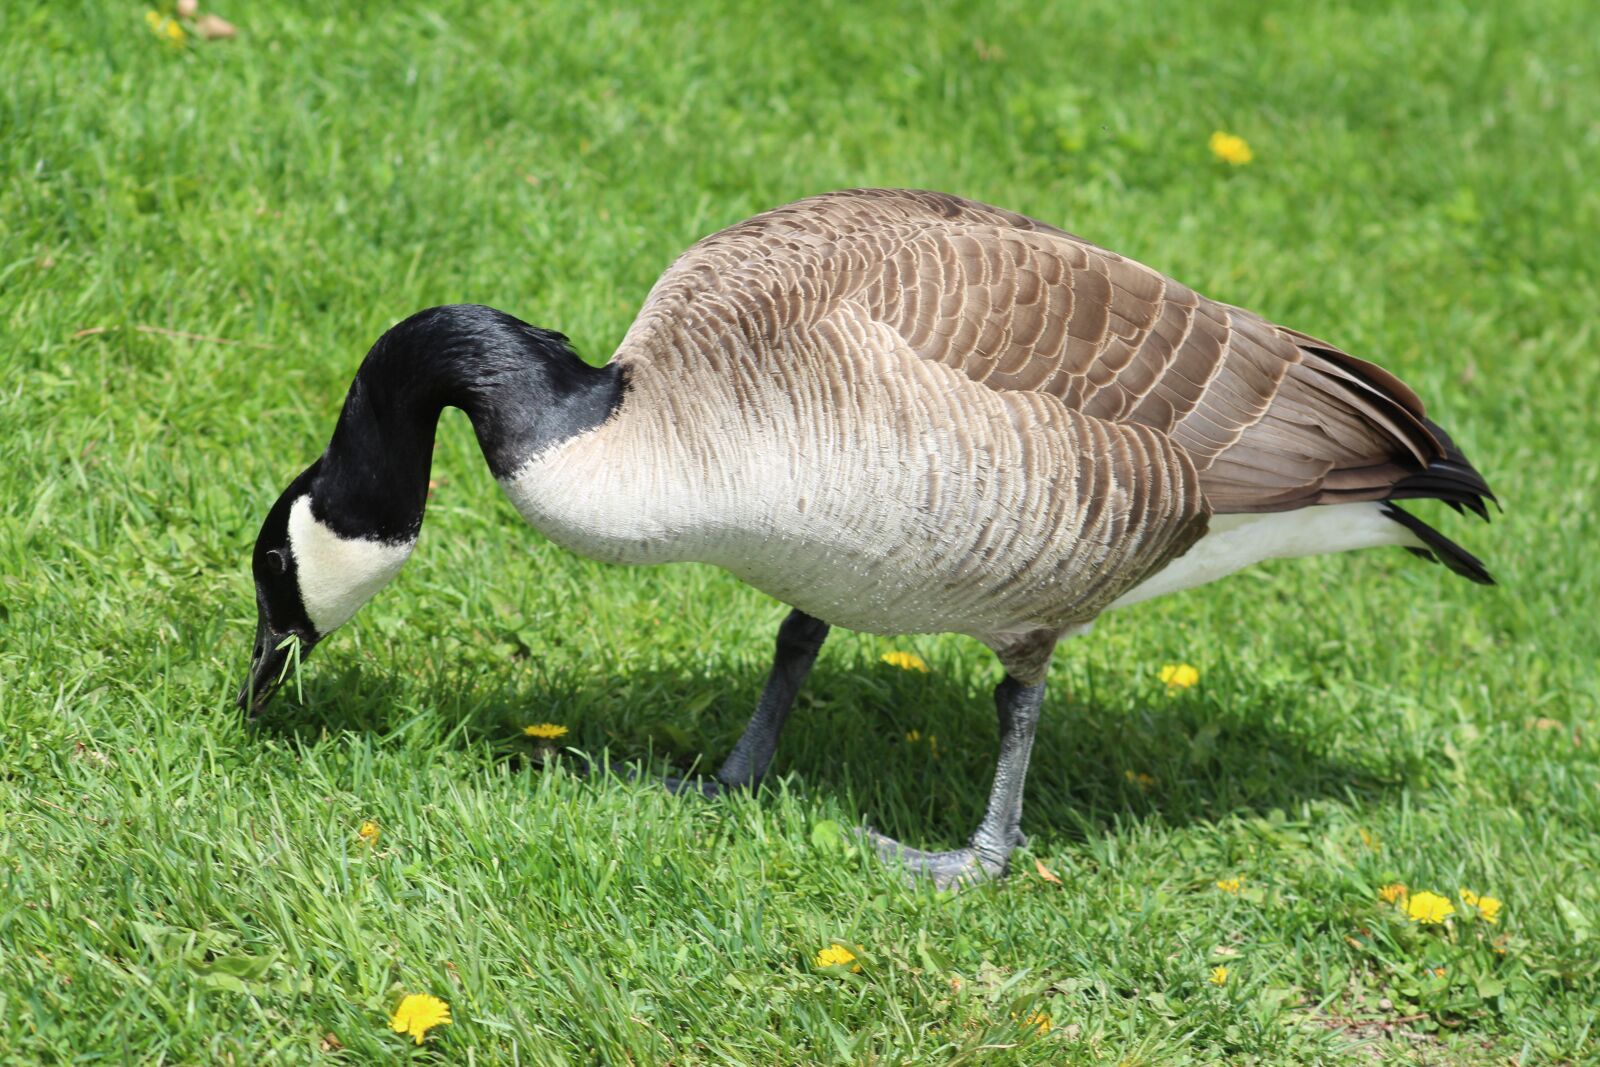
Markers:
point(895, 411)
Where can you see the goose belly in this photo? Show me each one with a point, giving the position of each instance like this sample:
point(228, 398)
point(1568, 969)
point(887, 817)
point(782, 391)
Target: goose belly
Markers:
point(876, 491)
point(925, 532)
point(909, 586)
point(871, 548)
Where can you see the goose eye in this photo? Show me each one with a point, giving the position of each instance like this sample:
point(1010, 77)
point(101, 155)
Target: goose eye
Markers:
point(276, 561)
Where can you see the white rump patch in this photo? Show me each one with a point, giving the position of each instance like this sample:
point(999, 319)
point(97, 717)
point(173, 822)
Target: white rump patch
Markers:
point(338, 574)
point(1235, 541)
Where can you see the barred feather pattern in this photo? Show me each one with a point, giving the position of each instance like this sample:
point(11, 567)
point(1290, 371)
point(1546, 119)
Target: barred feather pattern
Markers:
point(918, 504)
point(902, 411)
point(1273, 419)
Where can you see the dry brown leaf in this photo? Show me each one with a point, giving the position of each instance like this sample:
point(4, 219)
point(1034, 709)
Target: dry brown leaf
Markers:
point(1046, 873)
point(214, 28)
point(188, 9)
point(330, 1042)
point(1546, 724)
point(93, 756)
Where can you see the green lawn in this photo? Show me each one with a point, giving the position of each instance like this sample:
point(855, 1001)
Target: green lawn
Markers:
point(179, 886)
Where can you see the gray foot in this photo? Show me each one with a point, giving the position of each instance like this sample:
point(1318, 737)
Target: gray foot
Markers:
point(946, 870)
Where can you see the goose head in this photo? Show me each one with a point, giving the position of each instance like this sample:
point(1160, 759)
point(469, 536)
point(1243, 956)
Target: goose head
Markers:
point(344, 527)
point(313, 571)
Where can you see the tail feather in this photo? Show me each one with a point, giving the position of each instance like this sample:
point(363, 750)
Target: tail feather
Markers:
point(1439, 548)
point(1452, 479)
point(1455, 481)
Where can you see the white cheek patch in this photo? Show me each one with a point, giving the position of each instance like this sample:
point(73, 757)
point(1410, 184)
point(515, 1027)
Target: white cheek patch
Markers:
point(338, 574)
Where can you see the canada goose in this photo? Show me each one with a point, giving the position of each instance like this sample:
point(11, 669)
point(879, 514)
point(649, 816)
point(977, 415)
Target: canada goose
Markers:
point(895, 411)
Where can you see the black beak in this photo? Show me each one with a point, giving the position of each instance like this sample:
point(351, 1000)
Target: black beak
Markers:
point(269, 665)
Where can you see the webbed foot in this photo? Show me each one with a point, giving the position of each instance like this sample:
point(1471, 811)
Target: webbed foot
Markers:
point(945, 870)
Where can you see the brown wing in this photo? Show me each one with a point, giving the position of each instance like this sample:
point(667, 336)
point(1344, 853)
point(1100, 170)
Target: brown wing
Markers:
point(1272, 419)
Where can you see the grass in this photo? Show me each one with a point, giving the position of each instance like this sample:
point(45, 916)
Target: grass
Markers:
point(179, 886)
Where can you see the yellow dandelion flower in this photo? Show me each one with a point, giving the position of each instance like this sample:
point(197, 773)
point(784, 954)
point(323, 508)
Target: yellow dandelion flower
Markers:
point(1231, 148)
point(1139, 778)
point(1429, 908)
point(906, 661)
point(1177, 676)
point(1392, 892)
point(836, 956)
point(1039, 1021)
point(369, 832)
point(1371, 840)
point(1488, 907)
point(913, 736)
point(1219, 976)
point(1438, 972)
point(1230, 885)
point(164, 27)
point(544, 731)
point(417, 1014)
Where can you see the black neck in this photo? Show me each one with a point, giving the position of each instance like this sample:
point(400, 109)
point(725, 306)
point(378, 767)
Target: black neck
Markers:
point(523, 388)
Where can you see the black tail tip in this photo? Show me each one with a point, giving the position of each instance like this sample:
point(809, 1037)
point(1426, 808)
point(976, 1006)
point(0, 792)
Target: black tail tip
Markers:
point(1452, 479)
point(1439, 548)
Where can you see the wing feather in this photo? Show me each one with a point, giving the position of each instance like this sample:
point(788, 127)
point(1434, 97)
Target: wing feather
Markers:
point(1271, 418)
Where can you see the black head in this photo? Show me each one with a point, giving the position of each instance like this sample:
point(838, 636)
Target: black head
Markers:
point(281, 616)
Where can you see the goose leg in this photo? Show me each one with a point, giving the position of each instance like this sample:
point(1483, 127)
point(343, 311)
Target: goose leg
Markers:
point(800, 638)
point(990, 847)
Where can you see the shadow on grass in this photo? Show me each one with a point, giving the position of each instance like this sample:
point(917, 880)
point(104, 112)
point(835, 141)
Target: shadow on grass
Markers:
point(1097, 763)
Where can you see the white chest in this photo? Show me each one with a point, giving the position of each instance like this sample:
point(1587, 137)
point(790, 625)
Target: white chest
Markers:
point(881, 525)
